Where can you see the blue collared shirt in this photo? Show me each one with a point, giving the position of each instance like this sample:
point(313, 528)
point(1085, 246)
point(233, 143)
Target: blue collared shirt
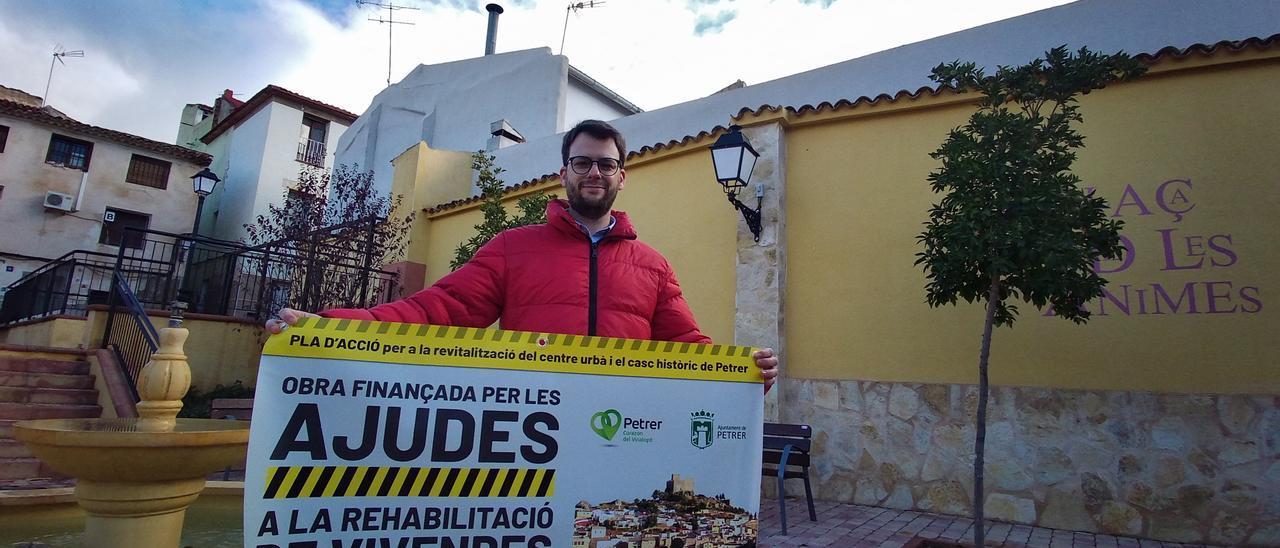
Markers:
point(599, 234)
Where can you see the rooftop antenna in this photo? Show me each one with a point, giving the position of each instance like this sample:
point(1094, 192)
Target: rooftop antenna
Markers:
point(573, 8)
point(391, 23)
point(58, 54)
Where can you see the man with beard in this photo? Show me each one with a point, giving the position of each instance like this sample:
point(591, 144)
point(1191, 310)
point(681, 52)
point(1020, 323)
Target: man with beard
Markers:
point(581, 273)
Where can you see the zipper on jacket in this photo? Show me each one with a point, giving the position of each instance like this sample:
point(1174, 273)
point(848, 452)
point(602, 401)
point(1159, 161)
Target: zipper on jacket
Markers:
point(591, 291)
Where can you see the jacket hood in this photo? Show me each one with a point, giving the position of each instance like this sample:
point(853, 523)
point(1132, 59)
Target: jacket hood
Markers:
point(559, 217)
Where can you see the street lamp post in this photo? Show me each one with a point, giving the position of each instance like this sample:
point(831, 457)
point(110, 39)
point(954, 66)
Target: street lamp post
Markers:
point(203, 184)
point(734, 159)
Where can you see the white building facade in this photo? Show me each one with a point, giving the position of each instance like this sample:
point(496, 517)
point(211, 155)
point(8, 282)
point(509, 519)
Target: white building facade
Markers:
point(259, 147)
point(69, 186)
point(460, 105)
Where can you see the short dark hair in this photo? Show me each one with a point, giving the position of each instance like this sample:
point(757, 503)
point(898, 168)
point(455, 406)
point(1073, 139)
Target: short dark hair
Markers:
point(599, 130)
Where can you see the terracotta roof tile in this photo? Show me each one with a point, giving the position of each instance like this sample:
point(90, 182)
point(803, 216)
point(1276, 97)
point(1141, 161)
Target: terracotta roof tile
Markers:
point(41, 116)
point(1164, 54)
point(261, 98)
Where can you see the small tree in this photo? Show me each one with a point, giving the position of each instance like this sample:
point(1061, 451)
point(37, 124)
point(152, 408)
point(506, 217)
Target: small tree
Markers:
point(1013, 221)
point(331, 217)
point(533, 209)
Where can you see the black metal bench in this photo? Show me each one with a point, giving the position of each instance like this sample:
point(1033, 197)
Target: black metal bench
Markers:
point(786, 456)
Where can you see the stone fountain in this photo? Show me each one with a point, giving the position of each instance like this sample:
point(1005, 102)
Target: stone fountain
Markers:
point(135, 478)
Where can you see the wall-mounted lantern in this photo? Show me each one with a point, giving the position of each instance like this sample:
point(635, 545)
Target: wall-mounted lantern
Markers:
point(202, 183)
point(734, 159)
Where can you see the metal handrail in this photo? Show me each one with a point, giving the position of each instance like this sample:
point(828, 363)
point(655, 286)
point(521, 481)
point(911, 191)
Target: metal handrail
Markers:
point(133, 343)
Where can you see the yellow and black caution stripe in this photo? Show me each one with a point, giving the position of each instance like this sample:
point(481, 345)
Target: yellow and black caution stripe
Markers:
point(300, 482)
point(483, 335)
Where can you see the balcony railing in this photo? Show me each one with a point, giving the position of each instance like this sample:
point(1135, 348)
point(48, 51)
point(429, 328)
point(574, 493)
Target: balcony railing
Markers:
point(311, 153)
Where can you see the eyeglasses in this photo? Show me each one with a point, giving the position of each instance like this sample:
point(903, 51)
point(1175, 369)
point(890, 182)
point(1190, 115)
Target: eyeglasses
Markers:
point(582, 165)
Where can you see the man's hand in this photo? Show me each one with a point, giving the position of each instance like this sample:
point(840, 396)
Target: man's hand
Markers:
point(288, 316)
point(768, 364)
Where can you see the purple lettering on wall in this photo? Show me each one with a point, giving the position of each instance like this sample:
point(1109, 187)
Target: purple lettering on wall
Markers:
point(1214, 296)
point(1126, 260)
point(1171, 196)
point(1216, 244)
point(1180, 251)
point(1171, 262)
point(1254, 297)
point(1130, 197)
point(1108, 296)
point(1188, 294)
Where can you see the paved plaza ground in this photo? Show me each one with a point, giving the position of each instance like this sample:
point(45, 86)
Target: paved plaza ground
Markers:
point(854, 526)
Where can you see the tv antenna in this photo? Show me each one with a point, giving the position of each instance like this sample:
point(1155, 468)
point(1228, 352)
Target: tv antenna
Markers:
point(58, 54)
point(574, 7)
point(391, 23)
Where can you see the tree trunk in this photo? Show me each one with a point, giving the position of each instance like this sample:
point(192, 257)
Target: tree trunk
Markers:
point(980, 436)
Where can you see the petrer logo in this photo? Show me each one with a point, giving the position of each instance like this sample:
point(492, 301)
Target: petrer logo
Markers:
point(702, 425)
point(606, 423)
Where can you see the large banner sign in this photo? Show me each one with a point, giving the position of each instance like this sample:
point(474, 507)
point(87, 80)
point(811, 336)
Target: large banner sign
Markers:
point(369, 434)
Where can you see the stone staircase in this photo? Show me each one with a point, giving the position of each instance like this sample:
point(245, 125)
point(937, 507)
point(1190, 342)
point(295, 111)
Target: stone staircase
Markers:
point(39, 383)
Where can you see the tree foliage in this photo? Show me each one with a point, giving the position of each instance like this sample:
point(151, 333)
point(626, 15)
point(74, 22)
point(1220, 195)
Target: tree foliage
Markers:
point(330, 229)
point(1012, 213)
point(533, 209)
point(322, 199)
point(1013, 221)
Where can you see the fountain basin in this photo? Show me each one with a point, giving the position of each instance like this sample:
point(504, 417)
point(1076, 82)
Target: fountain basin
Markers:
point(135, 478)
point(122, 450)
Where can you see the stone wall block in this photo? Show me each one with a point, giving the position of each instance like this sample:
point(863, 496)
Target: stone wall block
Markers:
point(1052, 465)
point(904, 401)
point(1266, 536)
point(1096, 491)
point(1170, 433)
point(946, 497)
point(939, 464)
point(1194, 501)
point(1007, 475)
point(1117, 518)
point(937, 397)
point(1169, 471)
point(1239, 452)
point(1204, 464)
point(1123, 433)
point(1139, 494)
point(1229, 528)
point(1004, 507)
point(826, 394)
point(851, 396)
point(1064, 509)
point(900, 498)
point(1174, 527)
point(922, 431)
point(1270, 425)
point(839, 488)
point(1236, 413)
point(870, 491)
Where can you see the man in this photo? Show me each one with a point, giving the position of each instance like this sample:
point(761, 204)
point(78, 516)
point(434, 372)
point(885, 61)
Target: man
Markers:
point(582, 273)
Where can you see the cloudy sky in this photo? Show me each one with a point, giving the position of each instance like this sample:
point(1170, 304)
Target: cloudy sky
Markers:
point(145, 59)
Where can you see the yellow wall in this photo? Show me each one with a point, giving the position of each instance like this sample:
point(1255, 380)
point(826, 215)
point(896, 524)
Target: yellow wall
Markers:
point(426, 178)
point(677, 208)
point(222, 352)
point(56, 333)
point(857, 195)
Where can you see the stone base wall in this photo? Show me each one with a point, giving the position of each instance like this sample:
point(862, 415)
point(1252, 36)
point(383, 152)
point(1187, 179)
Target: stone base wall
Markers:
point(1174, 467)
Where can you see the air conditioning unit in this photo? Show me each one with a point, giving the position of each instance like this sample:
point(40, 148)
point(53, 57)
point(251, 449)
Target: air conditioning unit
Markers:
point(109, 217)
point(59, 201)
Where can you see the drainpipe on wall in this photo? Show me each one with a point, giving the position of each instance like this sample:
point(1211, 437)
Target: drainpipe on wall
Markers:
point(491, 38)
point(84, 179)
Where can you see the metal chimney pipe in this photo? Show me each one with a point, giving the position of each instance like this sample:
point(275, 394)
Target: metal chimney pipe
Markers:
point(491, 39)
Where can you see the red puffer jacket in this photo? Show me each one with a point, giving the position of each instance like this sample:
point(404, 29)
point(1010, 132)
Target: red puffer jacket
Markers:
point(549, 278)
